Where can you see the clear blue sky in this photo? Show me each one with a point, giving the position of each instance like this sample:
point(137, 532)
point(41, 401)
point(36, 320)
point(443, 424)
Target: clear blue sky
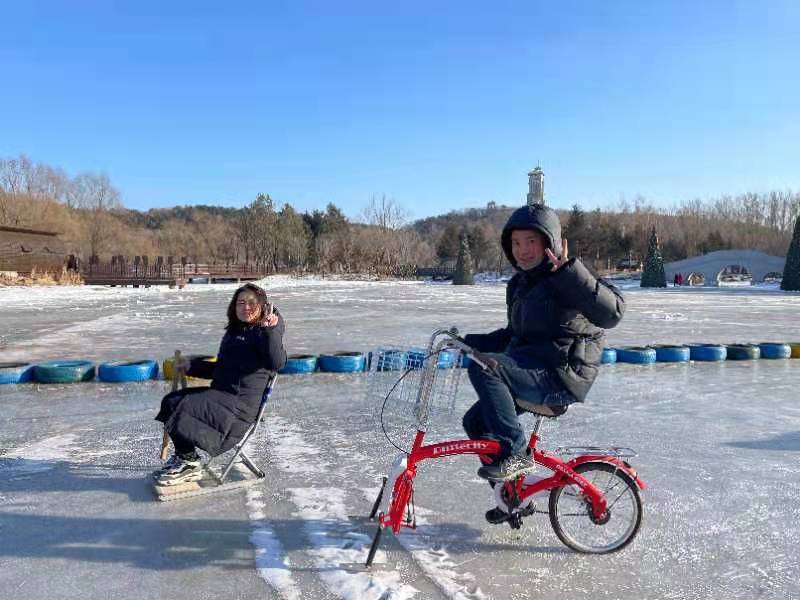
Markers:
point(437, 105)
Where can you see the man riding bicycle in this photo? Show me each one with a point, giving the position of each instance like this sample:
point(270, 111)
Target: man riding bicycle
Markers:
point(549, 352)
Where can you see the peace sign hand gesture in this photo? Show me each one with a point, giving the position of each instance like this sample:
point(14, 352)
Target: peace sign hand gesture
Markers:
point(555, 260)
point(270, 319)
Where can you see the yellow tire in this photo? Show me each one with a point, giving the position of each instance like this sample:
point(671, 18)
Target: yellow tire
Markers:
point(166, 368)
point(795, 350)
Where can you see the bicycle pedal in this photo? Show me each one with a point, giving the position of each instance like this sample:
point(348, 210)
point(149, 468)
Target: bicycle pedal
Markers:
point(515, 521)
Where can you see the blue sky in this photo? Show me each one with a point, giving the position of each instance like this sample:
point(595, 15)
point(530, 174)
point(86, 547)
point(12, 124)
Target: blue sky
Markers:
point(438, 105)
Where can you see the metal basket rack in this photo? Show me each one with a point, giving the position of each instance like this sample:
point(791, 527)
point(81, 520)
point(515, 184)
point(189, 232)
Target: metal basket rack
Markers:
point(416, 382)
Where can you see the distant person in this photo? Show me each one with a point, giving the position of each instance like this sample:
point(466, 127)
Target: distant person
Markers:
point(549, 352)
point(73, 263)
point(215, 418)
point(677, 280)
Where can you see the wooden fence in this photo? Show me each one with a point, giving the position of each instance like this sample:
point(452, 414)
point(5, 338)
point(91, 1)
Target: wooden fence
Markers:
point(140, 270)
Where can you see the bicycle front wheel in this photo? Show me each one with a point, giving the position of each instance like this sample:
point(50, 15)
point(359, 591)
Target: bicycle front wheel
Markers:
point(571, 511)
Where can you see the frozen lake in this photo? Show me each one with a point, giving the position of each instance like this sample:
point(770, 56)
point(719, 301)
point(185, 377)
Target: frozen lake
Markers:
point(718, 446)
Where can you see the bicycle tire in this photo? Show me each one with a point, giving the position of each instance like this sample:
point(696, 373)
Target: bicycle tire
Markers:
point(772, 351)
point(581, 509)
point(742, 351)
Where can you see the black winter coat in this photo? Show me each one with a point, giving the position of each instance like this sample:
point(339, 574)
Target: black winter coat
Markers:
point(555, 319)
point(216, 418)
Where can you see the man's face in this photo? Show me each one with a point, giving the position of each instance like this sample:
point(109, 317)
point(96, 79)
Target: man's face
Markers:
point(527, 247)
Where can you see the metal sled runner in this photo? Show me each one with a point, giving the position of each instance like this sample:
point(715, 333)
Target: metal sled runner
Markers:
point(213, 481)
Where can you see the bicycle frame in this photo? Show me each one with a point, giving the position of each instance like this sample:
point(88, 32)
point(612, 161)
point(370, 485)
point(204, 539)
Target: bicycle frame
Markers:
point(401, 483)
point(394, 510)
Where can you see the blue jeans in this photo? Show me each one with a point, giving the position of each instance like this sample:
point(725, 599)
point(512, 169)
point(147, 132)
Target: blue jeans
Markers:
point(494, 415)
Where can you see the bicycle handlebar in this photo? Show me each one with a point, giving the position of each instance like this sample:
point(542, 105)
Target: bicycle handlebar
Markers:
point(486, 362)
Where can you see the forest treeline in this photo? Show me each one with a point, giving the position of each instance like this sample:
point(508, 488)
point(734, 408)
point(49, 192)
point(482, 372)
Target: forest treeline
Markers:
point(88, 213)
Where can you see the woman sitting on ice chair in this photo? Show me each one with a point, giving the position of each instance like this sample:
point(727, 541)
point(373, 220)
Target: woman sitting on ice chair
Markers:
point(215, 418)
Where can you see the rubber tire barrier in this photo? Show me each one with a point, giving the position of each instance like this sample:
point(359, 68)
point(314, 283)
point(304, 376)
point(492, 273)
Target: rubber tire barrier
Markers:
point(609, 356)
point(795, 350)
point(707, 352)
point(415, 358)
point(342, 362)
point(447, 358)
point(300, 363)
point(166, 365)
point(121, 372)
point(772, 351)
point(672, 354)
point(390, 360)
point(742, 351)
point(639, 355)
point(12, 372)
point(63, 371)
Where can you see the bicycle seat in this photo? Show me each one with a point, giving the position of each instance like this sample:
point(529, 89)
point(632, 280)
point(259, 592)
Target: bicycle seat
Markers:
point(542, 409)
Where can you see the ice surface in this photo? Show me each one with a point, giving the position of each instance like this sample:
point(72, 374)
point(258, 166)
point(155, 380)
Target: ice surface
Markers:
point(718, 448)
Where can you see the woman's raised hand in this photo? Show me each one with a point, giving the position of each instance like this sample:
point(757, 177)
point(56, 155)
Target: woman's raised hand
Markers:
point(558, 261)
point(270, 318)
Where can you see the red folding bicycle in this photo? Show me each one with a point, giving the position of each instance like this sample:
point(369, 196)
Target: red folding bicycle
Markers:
point(595, 504)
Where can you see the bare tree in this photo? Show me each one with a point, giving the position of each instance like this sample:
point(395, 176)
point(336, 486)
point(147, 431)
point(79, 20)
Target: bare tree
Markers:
point(96, 198)
point(385, 213)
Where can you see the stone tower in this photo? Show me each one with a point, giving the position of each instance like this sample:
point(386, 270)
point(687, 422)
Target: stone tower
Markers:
point(536, 186)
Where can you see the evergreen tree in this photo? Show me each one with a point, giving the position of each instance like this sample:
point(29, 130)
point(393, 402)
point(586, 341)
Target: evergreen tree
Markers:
point(791, 271)
point(463, 274)
point(449, 245)
point(577, 232)
point(653, 275)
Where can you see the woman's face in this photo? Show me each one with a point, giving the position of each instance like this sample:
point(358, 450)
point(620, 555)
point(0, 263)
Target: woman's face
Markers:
point(527, 247)
point(248, 309)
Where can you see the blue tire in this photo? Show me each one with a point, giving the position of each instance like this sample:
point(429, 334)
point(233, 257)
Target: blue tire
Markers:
point(742, 351)
point(342, 362)
point(609, 356)
point(15, 372)
point(447, 358)
point(63, 371)
point(388, 359)
point(640, 355)
point(707, 352)
point(770, 350)
point(300, 363)
point(415, 358)
point(120, 372)
point(667, 353)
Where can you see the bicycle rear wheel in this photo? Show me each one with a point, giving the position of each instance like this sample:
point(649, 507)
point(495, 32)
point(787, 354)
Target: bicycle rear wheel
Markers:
point(571, 511)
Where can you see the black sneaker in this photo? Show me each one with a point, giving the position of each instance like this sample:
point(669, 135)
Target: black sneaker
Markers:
point(171, 463)
point(496, 515)
point(508, 468)
point(184, 472)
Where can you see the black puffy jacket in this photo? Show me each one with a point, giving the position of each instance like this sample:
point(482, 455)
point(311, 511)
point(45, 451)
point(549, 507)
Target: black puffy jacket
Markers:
point(216, 418)
point(555, 319)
